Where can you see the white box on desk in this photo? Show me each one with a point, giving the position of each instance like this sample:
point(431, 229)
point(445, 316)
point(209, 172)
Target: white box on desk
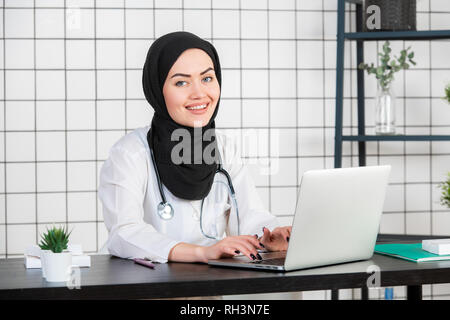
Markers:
point(32, 258)
point(32, 262)
point(437, 246)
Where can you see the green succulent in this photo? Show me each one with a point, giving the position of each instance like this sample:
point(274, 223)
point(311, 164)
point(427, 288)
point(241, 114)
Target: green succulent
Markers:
point(447, 93)
point(388, 67)
point(445, 195)
point(55, 239)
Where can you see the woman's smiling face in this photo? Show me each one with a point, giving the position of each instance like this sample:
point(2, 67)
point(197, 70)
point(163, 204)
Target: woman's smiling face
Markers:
point(191, 89)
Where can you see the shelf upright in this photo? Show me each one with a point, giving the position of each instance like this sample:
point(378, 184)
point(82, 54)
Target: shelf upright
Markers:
point(339, 83)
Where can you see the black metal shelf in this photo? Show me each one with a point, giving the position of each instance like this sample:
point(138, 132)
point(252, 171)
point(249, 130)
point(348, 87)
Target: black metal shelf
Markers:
point(398, 35)
point(399, 137)
point(355, 1)
point(360, 37)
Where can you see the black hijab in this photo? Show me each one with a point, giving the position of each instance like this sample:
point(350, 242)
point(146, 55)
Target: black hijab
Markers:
point(193, 180)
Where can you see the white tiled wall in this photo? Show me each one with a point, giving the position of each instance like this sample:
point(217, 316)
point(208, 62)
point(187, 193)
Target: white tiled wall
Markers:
point(70, 86)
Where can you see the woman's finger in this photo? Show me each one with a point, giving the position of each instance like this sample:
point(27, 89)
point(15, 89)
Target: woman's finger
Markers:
point(231, 251)
point(241, 249)
point(251, 244)
point(289, 230)
point(266, 236)
point(254, 240)
point(286, 234)
point(246, 248)
point(283, 233)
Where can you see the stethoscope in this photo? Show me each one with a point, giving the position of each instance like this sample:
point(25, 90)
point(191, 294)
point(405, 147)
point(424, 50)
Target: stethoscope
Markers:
point(165, 210)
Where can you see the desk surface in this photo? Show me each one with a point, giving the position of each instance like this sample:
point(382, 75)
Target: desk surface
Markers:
point(114, 278)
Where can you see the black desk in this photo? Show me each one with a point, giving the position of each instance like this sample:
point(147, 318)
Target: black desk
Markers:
point(114, 278)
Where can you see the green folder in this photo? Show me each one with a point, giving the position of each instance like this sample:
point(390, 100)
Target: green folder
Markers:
point(408, 251)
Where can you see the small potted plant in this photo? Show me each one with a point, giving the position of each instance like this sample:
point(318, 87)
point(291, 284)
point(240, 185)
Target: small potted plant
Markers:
point(385, 99)
point(55, 259)
point(445, 194)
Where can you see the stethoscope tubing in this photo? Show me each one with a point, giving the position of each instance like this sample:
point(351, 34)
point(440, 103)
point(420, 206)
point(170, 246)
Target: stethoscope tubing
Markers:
point(161, 209)
point(158, 179)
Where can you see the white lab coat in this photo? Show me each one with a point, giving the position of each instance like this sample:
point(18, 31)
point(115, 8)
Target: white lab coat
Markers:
point(129, 193)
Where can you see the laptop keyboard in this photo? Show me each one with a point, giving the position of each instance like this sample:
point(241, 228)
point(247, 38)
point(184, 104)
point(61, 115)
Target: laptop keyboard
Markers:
point(274, 261)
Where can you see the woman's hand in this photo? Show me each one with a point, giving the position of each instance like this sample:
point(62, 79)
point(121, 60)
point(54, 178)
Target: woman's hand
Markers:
point(232, 246)
point(277, 240)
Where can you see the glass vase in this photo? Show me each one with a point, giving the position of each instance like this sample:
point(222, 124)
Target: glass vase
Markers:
point(385, 111)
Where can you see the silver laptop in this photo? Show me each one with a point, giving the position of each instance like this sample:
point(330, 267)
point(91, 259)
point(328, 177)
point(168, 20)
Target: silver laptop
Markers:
point(336, 220)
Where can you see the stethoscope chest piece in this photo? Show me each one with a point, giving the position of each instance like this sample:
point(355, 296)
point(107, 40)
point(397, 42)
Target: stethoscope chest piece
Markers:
point(165, 210)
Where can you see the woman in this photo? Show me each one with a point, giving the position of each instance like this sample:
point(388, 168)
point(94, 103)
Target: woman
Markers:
point(175, 162)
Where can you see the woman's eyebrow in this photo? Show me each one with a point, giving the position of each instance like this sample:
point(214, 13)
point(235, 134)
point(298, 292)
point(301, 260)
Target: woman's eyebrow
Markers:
point(180, 75)
point(206, 71)
point(188, 75)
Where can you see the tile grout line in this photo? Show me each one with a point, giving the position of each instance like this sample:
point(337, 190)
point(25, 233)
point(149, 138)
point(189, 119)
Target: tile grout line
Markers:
point(327, 39)
point(4, 135)
point(430, 130)
point(431, 143)
point(230, 68)
point(405, 220)
point(35, 126)
point(224, 98)
point(241, 105)
point(66, 163)
point(324, 163)
point(269, 134)
point(182, 15)
point(205, 9)
point(297, 105)
point(96, 117)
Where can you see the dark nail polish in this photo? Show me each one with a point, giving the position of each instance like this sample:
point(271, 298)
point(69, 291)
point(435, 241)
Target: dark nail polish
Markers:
point(256, 236)
point(237, 251)
point(253, 256)
point(263, 228)
point(259, 257)
point(287, 239)
point(261, 245)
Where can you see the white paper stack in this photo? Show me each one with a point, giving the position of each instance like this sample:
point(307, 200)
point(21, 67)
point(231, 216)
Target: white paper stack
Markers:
point(437, 246)
point(32, 258)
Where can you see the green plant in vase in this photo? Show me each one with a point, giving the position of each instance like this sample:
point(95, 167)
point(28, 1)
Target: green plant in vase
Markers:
point(384, 73)
point(445, 186)
point(447, 93)
point(445, 192)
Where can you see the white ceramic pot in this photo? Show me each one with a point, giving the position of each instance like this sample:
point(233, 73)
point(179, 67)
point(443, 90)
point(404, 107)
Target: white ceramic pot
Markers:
point(58, 266)
point(43, 265)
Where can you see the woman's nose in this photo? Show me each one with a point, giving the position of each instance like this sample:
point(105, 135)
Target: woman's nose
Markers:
point(197, 90)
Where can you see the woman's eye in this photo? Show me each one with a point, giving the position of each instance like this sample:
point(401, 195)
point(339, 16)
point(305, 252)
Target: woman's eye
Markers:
point(180, 83)
point(210, 79)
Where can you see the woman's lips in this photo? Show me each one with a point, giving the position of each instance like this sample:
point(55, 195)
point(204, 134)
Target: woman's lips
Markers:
point(197, 110)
